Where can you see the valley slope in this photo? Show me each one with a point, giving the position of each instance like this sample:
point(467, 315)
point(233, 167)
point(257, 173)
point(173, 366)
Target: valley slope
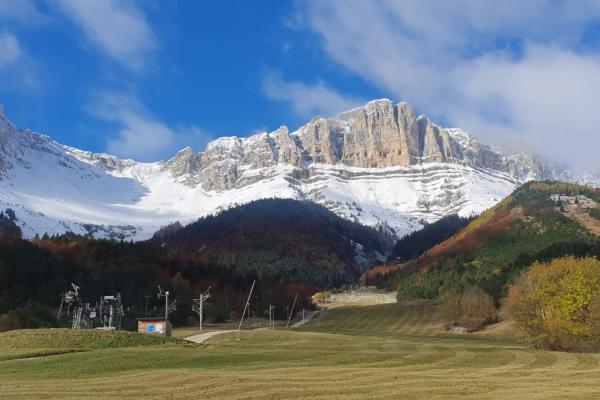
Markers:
point(539, 221)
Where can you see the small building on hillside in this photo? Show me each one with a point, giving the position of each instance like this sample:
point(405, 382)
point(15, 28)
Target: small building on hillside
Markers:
point(154, 326)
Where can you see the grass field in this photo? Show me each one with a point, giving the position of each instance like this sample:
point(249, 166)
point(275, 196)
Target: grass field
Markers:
point(386, 351)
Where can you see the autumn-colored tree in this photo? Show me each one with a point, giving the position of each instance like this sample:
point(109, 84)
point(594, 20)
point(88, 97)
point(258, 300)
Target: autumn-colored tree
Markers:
point(470, 307)
point(320, 297)
point(557, 304)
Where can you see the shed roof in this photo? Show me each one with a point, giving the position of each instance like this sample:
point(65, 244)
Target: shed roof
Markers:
point(152, 319)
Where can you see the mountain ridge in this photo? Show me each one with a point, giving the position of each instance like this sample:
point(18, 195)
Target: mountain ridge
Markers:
point(378, 164)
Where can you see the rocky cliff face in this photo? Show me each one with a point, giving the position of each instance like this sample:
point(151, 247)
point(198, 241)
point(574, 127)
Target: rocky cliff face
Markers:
point(379, 135)
point(6, 133)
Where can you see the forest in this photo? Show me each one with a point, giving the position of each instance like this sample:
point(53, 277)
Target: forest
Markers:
point(289, 247)
point(418, 242)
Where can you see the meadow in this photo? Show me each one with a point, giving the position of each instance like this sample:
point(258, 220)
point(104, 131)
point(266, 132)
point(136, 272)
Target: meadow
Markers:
point(389, 351)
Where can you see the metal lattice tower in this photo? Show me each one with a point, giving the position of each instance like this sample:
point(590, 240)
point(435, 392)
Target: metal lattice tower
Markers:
point(77, 318)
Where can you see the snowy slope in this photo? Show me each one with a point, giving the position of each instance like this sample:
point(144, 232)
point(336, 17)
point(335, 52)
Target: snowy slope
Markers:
point(55, 188)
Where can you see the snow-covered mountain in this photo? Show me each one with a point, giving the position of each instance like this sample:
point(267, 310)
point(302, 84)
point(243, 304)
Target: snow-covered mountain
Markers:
point(378, 164)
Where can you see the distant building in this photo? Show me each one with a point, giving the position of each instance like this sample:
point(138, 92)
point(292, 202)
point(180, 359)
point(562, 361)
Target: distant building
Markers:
point(154, 326)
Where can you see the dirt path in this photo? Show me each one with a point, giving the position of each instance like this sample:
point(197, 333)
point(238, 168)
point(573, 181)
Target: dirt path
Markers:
point(201, 337)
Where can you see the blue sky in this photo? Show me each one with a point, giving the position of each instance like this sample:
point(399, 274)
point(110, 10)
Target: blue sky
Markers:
point(143, 78)
point(199, 69)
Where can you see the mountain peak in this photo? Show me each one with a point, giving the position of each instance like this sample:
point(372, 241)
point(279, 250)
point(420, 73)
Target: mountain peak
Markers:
point(185, 152)
point(383, 100)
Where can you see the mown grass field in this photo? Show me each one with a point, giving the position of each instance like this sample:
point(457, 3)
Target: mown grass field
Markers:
point(383, 352)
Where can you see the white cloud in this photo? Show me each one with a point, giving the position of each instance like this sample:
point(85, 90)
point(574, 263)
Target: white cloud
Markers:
point(10, 50)
point(18, 72)
point(506, 70)
point(307, 100)
point(20, 10)
point(118, 28)
point(139, 135)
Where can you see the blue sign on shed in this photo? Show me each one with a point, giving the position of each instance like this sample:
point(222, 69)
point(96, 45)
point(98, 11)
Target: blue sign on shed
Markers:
point(153, 325)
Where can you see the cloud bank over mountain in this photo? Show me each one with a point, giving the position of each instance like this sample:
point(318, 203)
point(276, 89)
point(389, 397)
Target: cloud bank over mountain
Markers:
point(511, 71)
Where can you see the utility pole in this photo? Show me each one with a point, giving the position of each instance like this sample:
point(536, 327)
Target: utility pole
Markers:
point(291, 312)
point(271, 317)
point(245, 308)
point(168, 307)
point(167, 304)
point(62, 299)
point(146, 308)
point(198, 307)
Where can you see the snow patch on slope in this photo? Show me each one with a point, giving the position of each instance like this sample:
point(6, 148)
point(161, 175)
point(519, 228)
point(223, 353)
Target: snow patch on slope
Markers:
point(54, 188)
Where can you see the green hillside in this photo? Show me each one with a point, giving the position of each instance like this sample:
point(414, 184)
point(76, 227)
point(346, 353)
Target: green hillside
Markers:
point(36, 343)
point(80, 339)
point(538, 222)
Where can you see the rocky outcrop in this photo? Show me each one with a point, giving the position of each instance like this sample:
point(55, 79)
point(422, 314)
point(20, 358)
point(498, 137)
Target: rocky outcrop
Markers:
point(184, 166)
point(101, 160)
point(220, 166)
point(378, 135)
point(288, 151)
point(319, 143)
point(6, 134)
point(382, 134)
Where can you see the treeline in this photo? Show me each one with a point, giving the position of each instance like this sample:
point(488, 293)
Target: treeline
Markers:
point(416, 243)
point(300, 229)
point(8, 227)
point(468, 270)
point(290, 248)
point(33, 276)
